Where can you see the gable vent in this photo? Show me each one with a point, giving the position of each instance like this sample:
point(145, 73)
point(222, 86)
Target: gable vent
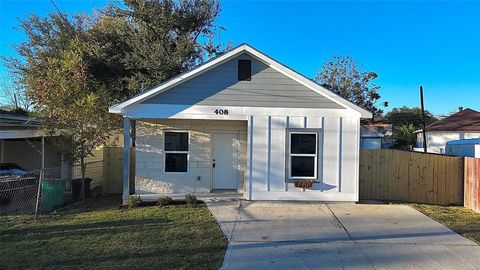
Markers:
point(244, 70)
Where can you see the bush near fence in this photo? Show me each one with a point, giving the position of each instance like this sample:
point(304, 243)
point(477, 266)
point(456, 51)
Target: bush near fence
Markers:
point(395, 175)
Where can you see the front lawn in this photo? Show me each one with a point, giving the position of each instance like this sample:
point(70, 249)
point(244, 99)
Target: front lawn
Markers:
point(459, 219)
point(99, 234)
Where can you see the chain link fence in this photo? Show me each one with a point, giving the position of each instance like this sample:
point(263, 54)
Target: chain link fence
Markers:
point(18, 193)
point(40, 191)
point(33, 192)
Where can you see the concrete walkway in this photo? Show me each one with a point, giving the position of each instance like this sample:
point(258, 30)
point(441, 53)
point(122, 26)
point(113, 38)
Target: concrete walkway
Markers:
point(294, 235)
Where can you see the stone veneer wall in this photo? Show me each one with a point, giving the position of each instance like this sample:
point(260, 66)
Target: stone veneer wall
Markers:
point(150, 176)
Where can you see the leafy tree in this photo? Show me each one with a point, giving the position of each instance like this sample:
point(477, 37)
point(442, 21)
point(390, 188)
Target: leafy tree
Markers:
point(14, 96)
point(74, 68)
point(405, 116)
point(343, 76)
point(145, 42)
point(68, 99)
point(406, 137)
point(139, 43)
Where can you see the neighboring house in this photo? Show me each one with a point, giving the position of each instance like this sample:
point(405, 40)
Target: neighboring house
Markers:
point(20, 143)
point(370, 139)
point(464, 124)
point(376, 134)
point(243, 122)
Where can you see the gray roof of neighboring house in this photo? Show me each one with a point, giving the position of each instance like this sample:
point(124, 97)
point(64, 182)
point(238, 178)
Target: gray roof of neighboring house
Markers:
point(12, 120)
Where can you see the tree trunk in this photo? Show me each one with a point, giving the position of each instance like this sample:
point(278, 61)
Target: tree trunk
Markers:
point(83, 167)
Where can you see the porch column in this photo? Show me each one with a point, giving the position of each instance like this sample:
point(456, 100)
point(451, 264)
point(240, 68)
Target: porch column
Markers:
point(126, 159)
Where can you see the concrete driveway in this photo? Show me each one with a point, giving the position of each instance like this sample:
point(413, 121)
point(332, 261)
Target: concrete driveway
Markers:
point(294, 235)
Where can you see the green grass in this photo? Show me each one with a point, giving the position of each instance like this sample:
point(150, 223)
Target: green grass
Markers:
point(98, 234)
point(459, 219)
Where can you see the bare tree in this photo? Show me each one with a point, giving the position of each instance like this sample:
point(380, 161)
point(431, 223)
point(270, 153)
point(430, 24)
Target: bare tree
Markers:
point(13, 95)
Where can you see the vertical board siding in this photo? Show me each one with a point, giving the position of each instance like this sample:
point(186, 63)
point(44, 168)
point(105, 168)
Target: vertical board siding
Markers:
point(317, 123)
point(259, 153)
point(395, 175)
point(269, 153)
point(330, 151)
point(348, 153)
point(472, 183)
point(250, 156)
point(296, 122)
point(293, 122)
point(278, 153)
point(340, 157)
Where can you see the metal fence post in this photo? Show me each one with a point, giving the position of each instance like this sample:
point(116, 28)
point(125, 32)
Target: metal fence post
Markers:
point(40, 179)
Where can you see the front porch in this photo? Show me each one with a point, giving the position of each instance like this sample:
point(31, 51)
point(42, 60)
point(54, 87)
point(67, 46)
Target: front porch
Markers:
point(175, 157)
point(206, 197)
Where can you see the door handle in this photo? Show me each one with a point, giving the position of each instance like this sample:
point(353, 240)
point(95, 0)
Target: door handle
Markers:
point(213, 164)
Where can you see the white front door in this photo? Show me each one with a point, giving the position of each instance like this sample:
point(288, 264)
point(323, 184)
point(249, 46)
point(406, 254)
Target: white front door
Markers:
point(225, 161)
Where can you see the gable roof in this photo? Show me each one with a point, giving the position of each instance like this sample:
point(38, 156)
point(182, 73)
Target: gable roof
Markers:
point(243, 48)
point(465, 120)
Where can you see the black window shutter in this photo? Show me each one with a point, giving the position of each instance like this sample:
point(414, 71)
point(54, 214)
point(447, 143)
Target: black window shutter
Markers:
point(244, 70)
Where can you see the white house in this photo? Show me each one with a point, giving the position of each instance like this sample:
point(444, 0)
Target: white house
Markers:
point(464, 124)
point(243, 122)
point(370, 139)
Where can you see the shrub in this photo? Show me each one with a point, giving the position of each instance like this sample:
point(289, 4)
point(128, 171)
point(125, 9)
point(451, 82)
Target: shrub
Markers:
point(134, 201)
point(164, 200)
point(190, 199)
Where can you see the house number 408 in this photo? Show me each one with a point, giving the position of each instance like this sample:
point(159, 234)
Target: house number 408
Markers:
point(221, 111)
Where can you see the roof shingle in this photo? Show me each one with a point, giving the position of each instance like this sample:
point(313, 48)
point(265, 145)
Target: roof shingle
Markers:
point(465, 120)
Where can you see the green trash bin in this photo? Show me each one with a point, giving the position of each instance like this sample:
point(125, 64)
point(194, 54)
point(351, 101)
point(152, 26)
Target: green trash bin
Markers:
point(53, 195)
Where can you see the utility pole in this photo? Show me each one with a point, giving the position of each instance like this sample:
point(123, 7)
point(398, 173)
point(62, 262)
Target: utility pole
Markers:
point(423, 121)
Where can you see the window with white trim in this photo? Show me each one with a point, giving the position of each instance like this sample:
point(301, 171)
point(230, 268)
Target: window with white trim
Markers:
point(303, 155)
point(176, 151)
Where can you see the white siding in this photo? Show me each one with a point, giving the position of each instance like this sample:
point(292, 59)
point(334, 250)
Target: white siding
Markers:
point(149, 174)
point(338, 158)
point(349, 152)
point(278, 153)
point(259, 152)
point(331, 153)
point(437, 140)
point(264, 171)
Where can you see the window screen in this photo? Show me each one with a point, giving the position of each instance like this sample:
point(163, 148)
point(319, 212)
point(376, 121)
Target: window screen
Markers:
point(244, 70)
point(176, 151)
point(303, 155)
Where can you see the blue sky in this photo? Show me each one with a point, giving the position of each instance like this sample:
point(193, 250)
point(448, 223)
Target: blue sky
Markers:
point(434, 44)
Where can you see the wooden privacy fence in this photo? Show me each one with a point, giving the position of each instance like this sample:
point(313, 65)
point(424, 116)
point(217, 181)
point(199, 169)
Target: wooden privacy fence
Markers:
point(395, 175)
point(472, 184)
point(113, 170)
point(94, 168)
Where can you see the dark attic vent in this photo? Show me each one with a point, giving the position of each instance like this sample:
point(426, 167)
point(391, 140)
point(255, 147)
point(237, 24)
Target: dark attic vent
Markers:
point(244, 70)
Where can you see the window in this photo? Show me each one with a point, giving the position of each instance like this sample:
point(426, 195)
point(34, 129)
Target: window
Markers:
point(244, 70)
point(303, 155)
point(176, 151)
